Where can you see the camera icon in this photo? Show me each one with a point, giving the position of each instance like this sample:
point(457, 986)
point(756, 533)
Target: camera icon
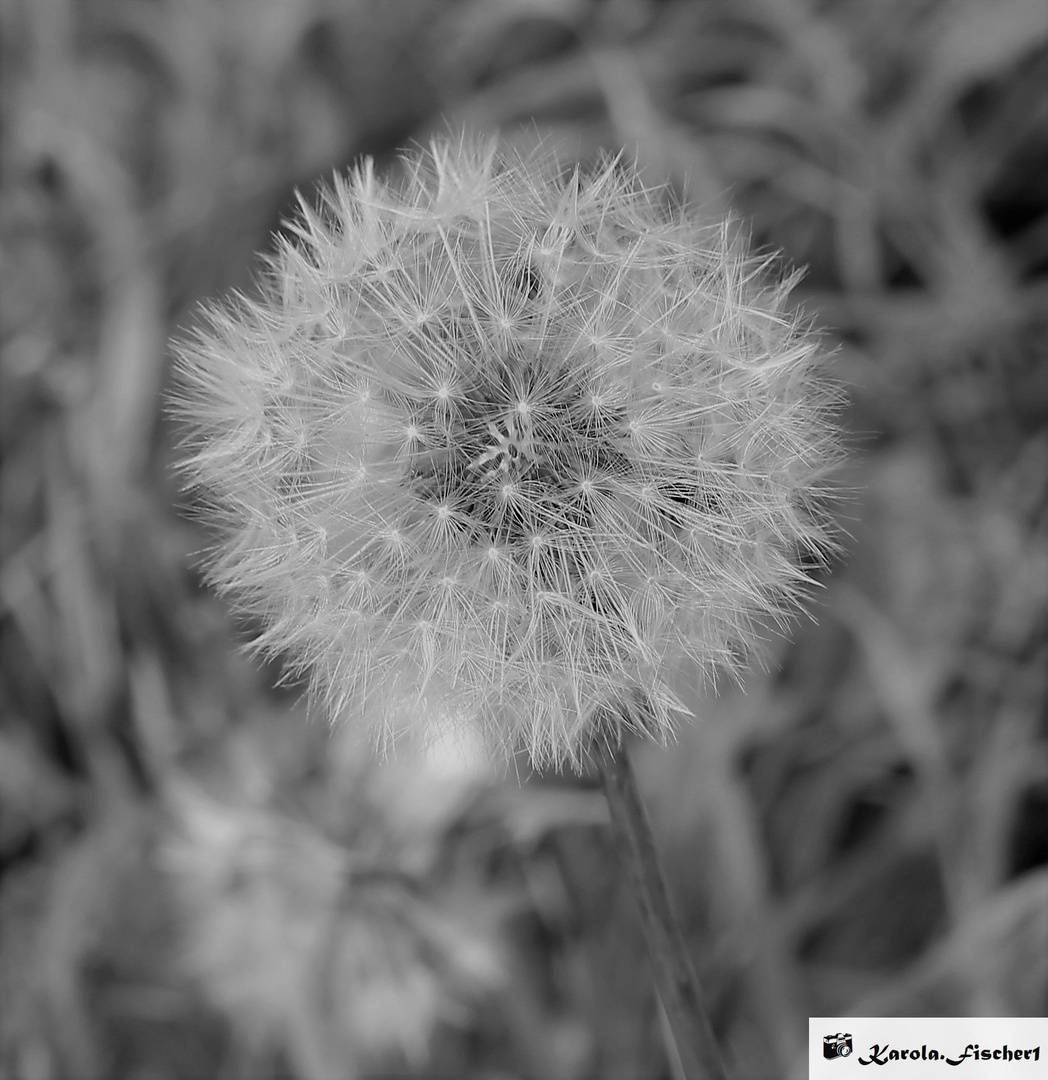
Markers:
point(837, 1046)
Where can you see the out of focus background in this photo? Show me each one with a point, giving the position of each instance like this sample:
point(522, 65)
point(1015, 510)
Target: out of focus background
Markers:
point(198, 879)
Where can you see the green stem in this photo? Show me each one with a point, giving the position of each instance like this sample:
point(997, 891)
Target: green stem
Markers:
point(675, 978)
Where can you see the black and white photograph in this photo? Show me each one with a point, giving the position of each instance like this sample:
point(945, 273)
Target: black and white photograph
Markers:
point(523, 539)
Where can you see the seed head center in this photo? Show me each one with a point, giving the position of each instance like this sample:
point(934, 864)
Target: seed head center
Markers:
point(514, 449)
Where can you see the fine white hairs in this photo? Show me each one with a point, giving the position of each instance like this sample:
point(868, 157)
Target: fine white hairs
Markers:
point(500, 445)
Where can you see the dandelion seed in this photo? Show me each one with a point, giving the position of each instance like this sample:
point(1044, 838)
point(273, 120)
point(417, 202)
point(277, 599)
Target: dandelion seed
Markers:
point(591, 413)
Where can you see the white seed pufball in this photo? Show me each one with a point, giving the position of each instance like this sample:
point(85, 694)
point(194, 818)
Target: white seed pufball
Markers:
point(557, 439)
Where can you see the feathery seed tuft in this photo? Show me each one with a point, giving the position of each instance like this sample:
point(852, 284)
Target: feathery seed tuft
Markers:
point(508, 445)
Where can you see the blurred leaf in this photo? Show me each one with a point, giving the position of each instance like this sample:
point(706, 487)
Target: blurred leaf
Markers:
point(973, 42)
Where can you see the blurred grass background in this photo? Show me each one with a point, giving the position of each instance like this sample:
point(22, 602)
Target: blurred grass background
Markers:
point(198, 879)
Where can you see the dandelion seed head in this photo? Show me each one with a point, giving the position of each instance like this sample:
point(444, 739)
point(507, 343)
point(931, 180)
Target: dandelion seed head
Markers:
point(551, 437)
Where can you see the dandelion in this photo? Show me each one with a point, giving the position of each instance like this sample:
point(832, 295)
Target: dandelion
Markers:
point(318, 950)
point(502, 447)
point(506, 446)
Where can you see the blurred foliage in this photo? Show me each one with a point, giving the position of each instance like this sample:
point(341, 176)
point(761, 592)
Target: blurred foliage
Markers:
point(197, 879)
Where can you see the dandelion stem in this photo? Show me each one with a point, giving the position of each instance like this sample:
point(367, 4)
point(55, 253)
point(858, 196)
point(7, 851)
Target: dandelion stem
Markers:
point(675, 979)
